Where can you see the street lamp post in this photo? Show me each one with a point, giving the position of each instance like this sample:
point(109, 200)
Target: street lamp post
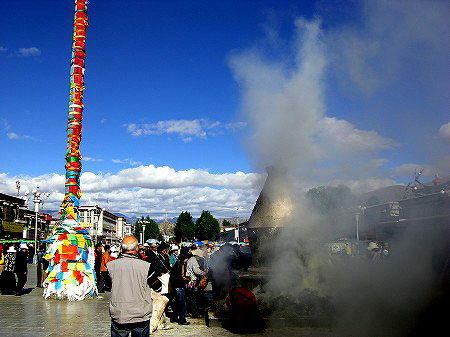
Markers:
point(37, 199)
point(237, 224)
point(357, 232)
point(358, 218)
point(94, 223)
point(143, 233)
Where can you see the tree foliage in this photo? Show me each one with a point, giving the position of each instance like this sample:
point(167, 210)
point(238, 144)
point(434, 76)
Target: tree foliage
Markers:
point(137, 229)
point(226, 223)
point(207, 227)
point(151, 229)
point(184, 228)
point(329, 198)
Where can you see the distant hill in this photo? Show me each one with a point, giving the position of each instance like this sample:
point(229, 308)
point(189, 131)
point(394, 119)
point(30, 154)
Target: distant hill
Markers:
point(172, 220)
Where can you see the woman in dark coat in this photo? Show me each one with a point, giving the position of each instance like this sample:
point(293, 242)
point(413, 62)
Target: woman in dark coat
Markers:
point(21, 268)
point(8, 277)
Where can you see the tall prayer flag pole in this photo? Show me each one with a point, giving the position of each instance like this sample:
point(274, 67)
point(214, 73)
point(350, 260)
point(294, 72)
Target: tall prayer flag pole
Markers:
point(70, 251)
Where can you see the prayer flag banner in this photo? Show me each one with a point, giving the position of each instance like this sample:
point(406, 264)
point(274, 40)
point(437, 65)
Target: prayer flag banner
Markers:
point(69, 249)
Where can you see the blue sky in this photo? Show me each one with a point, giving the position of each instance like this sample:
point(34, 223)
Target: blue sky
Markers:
point(180, 84)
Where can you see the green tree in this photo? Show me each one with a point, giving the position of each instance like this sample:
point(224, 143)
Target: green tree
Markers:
point(138, 228)
point(151, 230)
point(226, 223)
point(207, 227)
point(184, 228)
point(329, 198)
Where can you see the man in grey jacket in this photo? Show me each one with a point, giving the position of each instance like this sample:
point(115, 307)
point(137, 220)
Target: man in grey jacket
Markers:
point(131, 303)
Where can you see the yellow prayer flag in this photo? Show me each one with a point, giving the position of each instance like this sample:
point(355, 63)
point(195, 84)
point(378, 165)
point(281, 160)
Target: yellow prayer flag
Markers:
point(80, 266)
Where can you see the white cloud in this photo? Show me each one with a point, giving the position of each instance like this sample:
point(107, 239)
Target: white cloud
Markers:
point(92, 159)
point(182, 128)
point(153, 190)
point(235, 125)
point(344, 136)
point(163, 190)
point(15, 136)
point(187, 130)
point(12, 135)
point(32, 51)
point(128, 161)
point(161, 177)
point(444, 132)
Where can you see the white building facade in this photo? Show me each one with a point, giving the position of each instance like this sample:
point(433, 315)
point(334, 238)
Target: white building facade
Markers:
point(102, 224)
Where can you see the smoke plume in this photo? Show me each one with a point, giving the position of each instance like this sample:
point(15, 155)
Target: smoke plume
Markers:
point(284, 100)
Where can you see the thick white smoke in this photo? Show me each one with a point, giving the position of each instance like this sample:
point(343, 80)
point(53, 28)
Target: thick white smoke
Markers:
point(284, 104)
point(291, 127)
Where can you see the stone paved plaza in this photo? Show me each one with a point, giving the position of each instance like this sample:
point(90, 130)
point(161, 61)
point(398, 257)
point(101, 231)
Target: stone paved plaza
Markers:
point(31, 315)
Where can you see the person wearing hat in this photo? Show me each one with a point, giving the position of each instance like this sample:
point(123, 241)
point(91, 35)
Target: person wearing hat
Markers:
point(150, 253)
point(21, 268)
point(161, 296)
point(174, 252)
point(8, 278)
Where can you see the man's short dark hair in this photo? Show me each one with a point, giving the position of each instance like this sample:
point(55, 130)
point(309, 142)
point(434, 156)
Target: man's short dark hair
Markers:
point(107, 247)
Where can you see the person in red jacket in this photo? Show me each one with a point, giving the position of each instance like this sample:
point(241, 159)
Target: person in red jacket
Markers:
point(243, 311)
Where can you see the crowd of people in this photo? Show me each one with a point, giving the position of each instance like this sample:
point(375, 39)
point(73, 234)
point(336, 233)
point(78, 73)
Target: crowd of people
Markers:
point(176, 275)
point(14, 260)
point(166, 282)
point(150, 284)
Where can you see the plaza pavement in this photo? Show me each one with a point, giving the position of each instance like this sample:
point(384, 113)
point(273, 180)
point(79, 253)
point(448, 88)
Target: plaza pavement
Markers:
point(31, 315)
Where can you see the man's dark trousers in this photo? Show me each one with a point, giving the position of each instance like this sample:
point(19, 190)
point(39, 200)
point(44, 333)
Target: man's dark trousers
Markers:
point(180, 305)
point(21, 281)
point(104, 283)
point(140, 329)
